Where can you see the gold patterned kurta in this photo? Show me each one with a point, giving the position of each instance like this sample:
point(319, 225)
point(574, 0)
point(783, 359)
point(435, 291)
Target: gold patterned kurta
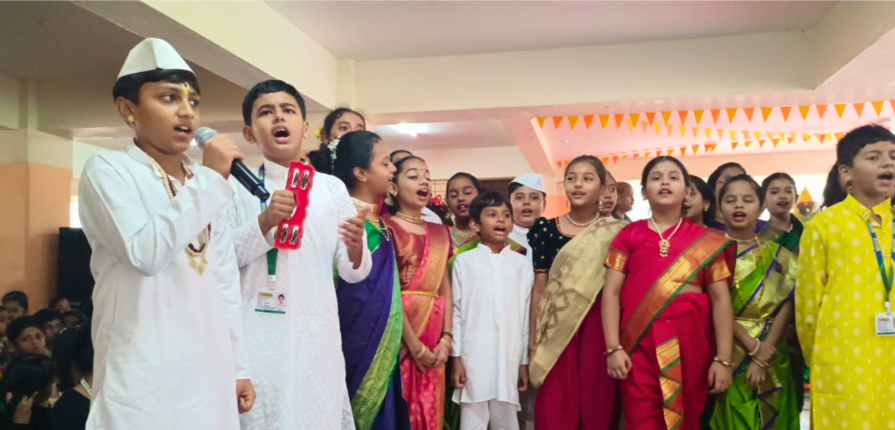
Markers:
point(839, 289)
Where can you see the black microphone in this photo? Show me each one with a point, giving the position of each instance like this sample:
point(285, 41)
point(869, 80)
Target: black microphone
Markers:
point(237, 170)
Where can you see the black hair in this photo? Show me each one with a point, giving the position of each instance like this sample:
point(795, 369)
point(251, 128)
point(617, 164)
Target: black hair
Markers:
point(46, 316)
point(73, 350)
point(766, 183)
point(644, 177)
point(515, 186)
point(398, 151)
point(399, 168)
point(330, 121)
point(355, 149)
point(18, 297)
point(3, 308)
point(716, 175)
point(24, 375)
point(488, 199)
point(833, 192)
point(19, 325)
point(708, 195)
point(850, 144)
point(593, 161)
point(56, 301)
point(742, 178)
point(268, 87)
point(281, 296)
point(475, 182)
point(129, 86)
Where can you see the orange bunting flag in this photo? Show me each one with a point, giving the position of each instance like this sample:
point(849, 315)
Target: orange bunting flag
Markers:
point(683, 152)
point(695, 132)
point(683, 115)
point(572, 121)
point(715, 113)
point(666, 116)
point(670, 151)
point(748, 142)
point(698, 115)
point(789, 140)
point(878, 107)
point(710, 147)
point(588, 120)
point(644, 125)
point(804, 111)
point(708, 133)
point(605, 160)
point(614, 159)
point(604, 121)
point(559, 164)
point(670, 127)
point(749, 112)
point(683, 129)
point(694, 148)
point(785, 111)
point(820, 110)
point(646, 154)
point(775, 142)
point(859, 107)
point(732, 112)
point(892, 105)
point(636, 155)
point(733, 145)
point(650, 116)
point(733, 134)
point(839, 110)
point(618, 120)
point(634, 117)
point(806, 137)
point(761, 143)
point(657, 126)
point(766, 112)
point(541, 121)
point(624, 156)
point(840, 135)
point(745, 134)
point(557, 120)
point(630, 124)
point(720, 133)
point(821, 138)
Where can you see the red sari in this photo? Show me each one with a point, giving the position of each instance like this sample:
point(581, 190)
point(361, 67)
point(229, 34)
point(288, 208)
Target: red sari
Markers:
point(668, 335)
point(422, 263)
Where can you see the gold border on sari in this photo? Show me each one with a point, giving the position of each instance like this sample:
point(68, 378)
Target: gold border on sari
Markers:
point(616, 260)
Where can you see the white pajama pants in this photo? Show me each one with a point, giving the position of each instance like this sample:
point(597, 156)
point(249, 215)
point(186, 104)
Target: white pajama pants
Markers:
point(476, 416)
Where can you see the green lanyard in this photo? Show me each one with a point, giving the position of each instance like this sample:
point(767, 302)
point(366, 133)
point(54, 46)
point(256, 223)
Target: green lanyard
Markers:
point(887, 275)
point(272, 254)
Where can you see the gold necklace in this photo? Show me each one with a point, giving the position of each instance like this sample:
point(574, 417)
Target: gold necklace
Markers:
point(664, 243)
point(410, 219)
point(582, 225)
point(372, 217)
point(196, 257)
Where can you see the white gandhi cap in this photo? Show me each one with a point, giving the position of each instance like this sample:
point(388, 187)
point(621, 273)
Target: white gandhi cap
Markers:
point(531, 180)
point(152, 54)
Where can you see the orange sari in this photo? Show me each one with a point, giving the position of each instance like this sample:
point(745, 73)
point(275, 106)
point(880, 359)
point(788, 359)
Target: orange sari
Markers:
point(422, 263)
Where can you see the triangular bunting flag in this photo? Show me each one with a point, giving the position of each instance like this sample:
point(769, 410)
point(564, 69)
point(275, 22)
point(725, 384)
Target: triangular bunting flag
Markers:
point(559, 164)
point(749, 112)
point(789, 140)
point(588, 120)
point(710, 147)
point(605, 160)
point(806, 137)
point(804, 111)
point(666, 116)
point(572, 121)
point(782, 135)
point(733, 134)
point(785, 111)
point(892, 105)
point(644, 125)
point(859, 107)
point(748, 142)
point(715, 113)
point(614, 159)
point(624, 157)
point(541, 121)
point(650, 116)
point(604, 121)
point(708, 133)
point(761, 143)
point(766, 112)
point(670, 127)
point(775, 142)
point(618, 120)
point(757, 135)
point(730, 114)
point(636, 155)
point(683, 129)
point(840, 135)
point(830, 136)
point(878, 107)
point(657, 126)
point(745, 134)
point(822, 138)
point(557, 120)
point(646, 154)
point(839, 110)
point(720, 133)
point(630, 124)
point(733, 145)
point(695, 132)
point(634, 117)
point(670, 151)
point(698, 115)
point(694, 148)
point(683, 115)
point(683, 151)
point(820, 110)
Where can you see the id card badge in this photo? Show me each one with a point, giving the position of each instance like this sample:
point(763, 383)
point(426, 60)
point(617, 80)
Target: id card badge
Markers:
point(271, 302)
point(885, 324)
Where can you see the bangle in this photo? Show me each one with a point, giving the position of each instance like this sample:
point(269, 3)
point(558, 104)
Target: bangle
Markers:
point(760, 364)
point(446, 343)
point(722, 362)
point(757, 347)
point(422, 351)
point(611, 351)
point(448, 334)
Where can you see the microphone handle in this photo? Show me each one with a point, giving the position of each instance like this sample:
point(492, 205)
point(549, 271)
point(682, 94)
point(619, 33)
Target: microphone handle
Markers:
point(248, 180)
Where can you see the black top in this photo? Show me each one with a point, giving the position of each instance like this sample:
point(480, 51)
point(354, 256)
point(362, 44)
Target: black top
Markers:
point(70, 412)
point(40, 418)
point(546, 239)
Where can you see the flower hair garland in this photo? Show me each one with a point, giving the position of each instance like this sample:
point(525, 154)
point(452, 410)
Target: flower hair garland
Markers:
point(332, 148)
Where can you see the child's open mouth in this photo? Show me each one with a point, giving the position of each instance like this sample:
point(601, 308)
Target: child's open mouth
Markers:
point(184, 131)
point(281, 134)
point(739, 217)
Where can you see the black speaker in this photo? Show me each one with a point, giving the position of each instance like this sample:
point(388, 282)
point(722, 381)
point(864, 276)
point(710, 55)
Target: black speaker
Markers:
point(74, 280)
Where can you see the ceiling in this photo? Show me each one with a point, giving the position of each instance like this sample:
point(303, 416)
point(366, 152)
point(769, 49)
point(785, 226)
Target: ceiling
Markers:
point(445, 135)
point(375, 30)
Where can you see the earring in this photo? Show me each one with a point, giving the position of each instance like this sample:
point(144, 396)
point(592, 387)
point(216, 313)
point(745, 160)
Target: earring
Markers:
point(130, 119)
point(389, 200)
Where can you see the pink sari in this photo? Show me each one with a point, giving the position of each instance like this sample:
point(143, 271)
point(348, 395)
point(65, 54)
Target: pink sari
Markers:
point(422, 262)
point(668, 335)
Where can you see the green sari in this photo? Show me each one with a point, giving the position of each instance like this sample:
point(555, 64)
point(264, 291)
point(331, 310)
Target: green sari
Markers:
point(764, 283)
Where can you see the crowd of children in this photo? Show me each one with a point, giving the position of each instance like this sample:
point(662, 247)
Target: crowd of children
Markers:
point(702, 316)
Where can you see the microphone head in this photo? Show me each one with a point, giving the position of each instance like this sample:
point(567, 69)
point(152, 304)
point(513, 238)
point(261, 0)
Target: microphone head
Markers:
point(203, 134)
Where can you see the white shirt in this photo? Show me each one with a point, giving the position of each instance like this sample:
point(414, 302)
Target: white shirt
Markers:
point(168, 341)
point(492, 293)
point(430, 216)
point(297, 363)
point(520, 236)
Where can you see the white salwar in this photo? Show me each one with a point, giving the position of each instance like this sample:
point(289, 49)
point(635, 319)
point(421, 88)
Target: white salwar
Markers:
point(492, 293)
point(297, 363)
point(168, 341)
point(520, 236)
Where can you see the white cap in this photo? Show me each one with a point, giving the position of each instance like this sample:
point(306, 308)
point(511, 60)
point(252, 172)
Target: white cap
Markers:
point(531, 180)
point(152, 54)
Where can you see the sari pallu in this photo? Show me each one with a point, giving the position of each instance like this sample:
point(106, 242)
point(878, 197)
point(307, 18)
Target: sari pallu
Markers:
point(668, 335)
point(569, 365)
point(422, 261)
point(370, 318)
point(764, 283)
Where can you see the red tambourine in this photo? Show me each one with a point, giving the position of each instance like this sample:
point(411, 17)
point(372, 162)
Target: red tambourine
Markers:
point(299, 181)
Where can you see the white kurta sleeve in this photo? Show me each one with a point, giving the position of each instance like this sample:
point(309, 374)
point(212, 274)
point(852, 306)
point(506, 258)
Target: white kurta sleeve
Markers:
point(120, 222)
point(529, 280)
point(250, 244)
point(228, 279)
point(457, 290)
point(341, 261)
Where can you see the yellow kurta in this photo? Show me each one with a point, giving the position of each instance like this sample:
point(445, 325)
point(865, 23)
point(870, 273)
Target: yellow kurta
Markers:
point(838, 291)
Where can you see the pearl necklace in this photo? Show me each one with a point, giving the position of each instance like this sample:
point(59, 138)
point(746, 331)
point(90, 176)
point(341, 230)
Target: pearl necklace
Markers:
point(86, 387)
point(665, 243)
point(584, 224)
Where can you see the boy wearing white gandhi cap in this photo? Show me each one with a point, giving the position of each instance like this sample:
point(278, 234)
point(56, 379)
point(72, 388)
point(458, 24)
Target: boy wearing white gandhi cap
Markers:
point(529, 199)
point(167, 327)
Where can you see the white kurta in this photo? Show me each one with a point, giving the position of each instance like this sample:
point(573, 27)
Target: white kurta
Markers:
point(520, 236)
point(297, 363)
point(492, 293)
point(429, 216)
point(168, 341)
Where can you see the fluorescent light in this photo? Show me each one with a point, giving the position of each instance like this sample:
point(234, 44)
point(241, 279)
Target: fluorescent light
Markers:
point(411, 129)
